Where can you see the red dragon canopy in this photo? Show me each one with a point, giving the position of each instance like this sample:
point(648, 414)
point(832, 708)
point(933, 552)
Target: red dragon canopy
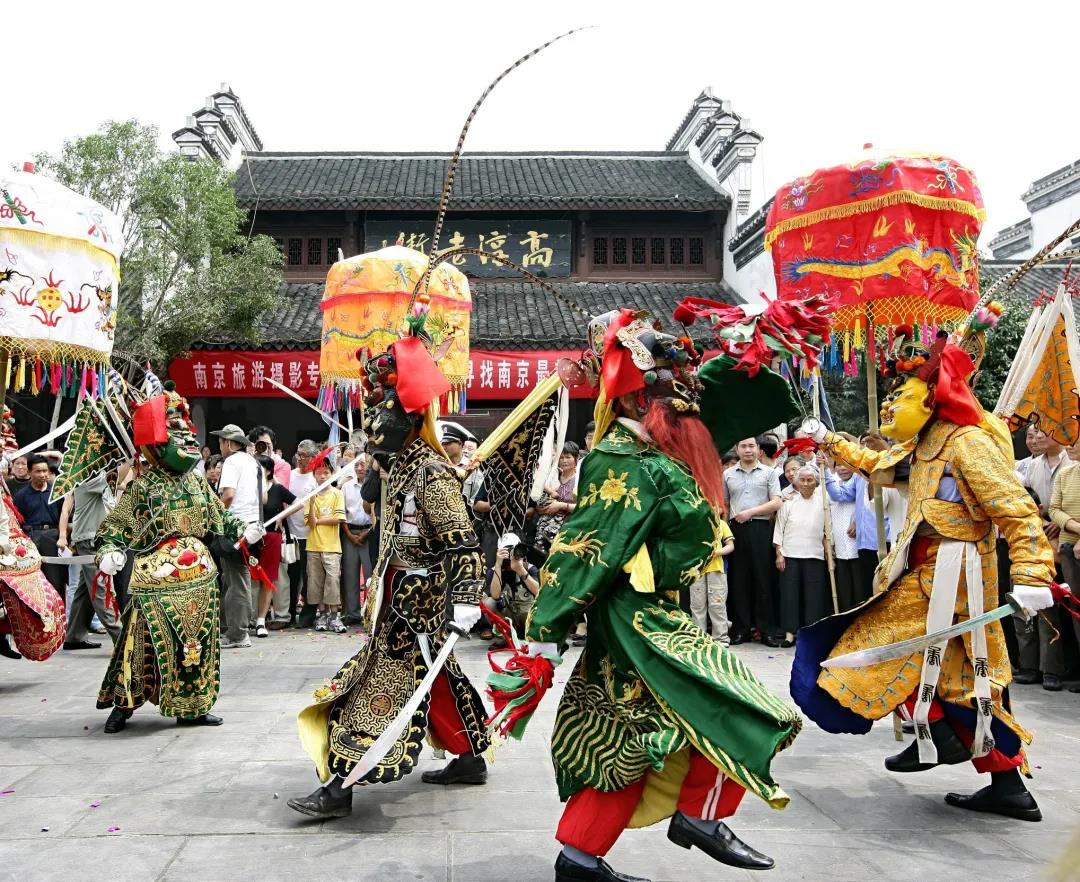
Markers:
point(892, 238)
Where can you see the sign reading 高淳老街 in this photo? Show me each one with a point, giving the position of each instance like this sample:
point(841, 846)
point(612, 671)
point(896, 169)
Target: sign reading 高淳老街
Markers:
point(541, 246)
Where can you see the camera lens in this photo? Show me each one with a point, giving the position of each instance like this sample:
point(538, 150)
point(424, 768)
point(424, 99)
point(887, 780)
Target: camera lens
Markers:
point(520, 550)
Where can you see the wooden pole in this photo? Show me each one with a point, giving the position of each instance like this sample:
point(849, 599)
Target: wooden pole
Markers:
point(4, 365)
point(825, 498)
point(875, 427)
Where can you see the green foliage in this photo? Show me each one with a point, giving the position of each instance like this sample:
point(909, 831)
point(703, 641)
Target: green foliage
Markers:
point(847, 401)
point(1002, 344)
point(188, 272)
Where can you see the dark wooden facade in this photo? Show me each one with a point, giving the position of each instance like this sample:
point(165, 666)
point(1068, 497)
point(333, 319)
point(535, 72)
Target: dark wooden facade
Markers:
point(607, 245)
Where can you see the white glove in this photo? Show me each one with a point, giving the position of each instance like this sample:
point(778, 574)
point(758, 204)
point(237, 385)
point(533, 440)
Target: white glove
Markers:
point(815, 429)
point(466, 615)
point(112, 562)
point(1033, 597)
point(548, 649)
point(253, 533)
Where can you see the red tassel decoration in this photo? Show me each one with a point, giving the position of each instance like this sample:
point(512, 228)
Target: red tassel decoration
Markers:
point(1064, 598)
point(517, 686)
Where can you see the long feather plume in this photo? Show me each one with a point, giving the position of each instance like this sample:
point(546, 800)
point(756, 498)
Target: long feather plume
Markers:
point(455, 159)
point(1044, 254)
point(547, 286)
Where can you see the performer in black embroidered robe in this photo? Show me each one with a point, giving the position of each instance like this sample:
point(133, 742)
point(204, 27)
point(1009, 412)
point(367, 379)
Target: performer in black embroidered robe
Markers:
point(429, 573)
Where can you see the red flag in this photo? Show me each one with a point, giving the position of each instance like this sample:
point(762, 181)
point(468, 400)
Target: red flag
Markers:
point(419, 380)
point(953, 399)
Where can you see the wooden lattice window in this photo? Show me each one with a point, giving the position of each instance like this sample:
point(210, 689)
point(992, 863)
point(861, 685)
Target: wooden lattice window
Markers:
point(677, 251)
point(314, 252)
point(618, 249)
point(656, 250)
point(296, 252)
point(333, 246)
point(637, 250)
point(599, 251)
point(697, 251)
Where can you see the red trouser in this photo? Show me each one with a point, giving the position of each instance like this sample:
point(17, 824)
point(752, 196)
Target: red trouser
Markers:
point(444, 720)
point(593, 820)
point(994, 761)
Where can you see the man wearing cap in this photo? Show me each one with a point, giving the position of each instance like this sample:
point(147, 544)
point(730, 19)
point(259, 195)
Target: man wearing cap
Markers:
point(453, 437)
point(240, 489)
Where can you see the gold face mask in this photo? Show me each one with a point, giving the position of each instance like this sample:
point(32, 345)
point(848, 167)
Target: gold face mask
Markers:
point(904, 411)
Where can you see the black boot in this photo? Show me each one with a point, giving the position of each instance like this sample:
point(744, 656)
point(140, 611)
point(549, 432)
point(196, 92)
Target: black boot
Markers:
point(117, 720)
point(325, 803)
point(6, 649)
point(203, 720)
point(950, 751)
point(1005, 795)
point(567, 870)
point(465, 769)
point(720, 844)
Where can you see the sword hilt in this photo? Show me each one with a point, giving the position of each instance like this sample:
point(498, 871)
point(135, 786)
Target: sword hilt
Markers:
point(457, 629)
point(1010, 599)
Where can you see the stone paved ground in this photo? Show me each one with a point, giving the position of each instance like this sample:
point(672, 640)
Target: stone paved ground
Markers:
point(209, 804)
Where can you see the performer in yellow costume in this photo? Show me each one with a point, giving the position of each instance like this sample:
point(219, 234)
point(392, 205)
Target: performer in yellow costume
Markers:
point(942, 569)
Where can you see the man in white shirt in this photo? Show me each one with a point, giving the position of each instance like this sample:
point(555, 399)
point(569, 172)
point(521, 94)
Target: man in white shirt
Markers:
point(1042, 656)
point(355, 560)
point(239, 487)
point(301, 483)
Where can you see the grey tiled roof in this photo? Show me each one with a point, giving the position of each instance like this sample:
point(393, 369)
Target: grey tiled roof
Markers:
point(749, 227)
point(413, 181)
point(1042, 279)
point(506, 315)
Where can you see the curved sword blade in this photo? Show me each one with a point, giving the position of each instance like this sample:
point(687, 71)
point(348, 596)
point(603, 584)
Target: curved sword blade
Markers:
point(381, 746)
point(865, 657)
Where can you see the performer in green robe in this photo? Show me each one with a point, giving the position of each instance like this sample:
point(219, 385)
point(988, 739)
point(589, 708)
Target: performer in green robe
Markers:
point(168, 652)
point(657, 720)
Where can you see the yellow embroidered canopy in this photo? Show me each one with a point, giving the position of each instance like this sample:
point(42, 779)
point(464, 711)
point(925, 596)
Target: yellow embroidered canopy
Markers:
point(365, 305)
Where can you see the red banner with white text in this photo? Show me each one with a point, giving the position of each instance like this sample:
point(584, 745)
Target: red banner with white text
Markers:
point(494, 375)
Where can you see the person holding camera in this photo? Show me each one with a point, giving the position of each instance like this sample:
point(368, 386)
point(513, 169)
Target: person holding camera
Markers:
point(513, 584)
point(264, 439)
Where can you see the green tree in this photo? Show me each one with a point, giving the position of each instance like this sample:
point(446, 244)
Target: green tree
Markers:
point(188, 272)
point(1003, 342)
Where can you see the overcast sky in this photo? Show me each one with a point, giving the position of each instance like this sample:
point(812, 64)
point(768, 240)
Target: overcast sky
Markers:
point(987, 83)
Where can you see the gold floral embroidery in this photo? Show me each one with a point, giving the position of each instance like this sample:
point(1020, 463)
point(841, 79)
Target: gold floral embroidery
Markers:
point(612, 491)
point(583, 545)
point(693, 498)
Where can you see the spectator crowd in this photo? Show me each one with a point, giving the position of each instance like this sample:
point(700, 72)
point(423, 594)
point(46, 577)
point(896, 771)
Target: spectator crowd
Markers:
point(771, 576)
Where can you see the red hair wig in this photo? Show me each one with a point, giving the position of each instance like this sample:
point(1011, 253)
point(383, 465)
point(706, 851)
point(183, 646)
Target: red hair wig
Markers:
point(685, 438)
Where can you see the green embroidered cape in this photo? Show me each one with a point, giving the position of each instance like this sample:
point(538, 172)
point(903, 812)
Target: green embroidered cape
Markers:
point(650, 683)
point(168, 652)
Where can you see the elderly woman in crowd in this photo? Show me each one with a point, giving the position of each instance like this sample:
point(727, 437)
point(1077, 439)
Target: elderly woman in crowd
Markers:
point(1064, 511)
point(799, 539)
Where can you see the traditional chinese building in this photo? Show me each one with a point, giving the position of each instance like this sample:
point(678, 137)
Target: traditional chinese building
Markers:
point(607, 229)
point(1053, 203)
